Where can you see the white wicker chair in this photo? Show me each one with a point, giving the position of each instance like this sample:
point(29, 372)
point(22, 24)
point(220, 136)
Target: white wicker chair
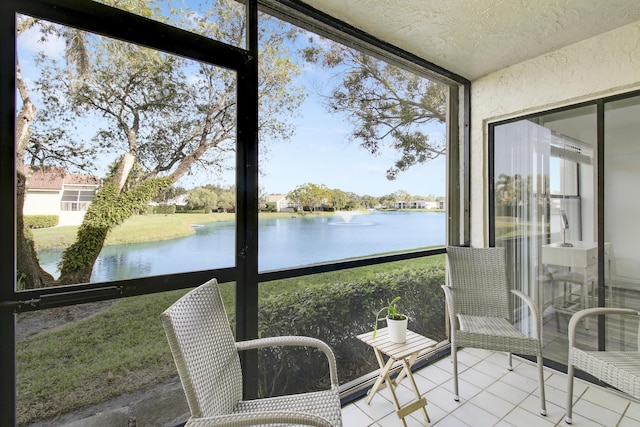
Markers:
point(206, 355)
point(619, 369)
point(477, 298)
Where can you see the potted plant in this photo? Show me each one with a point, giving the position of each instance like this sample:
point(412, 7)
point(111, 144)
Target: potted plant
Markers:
point(396, 322)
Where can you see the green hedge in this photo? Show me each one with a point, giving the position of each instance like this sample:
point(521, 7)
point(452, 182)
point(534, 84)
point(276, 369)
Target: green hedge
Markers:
point(192, 211)
point(336, 314)
point(41, 221)
point(165, 209)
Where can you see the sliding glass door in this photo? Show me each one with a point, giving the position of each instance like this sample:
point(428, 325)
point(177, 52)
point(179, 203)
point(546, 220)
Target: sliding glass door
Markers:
point(543, 211)
point(621, 203)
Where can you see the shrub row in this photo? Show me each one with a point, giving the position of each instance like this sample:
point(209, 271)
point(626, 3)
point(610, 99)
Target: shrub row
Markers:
point(197, 211)
point(336, 314)
point(40, 221)
point(164, 209)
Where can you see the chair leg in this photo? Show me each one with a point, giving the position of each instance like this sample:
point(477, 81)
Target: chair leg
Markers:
point(509, 362)
point(569, 413)
point(454, 356)
point(543, 401)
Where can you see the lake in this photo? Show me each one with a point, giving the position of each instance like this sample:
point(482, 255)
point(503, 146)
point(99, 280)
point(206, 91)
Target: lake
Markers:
point(283, 242)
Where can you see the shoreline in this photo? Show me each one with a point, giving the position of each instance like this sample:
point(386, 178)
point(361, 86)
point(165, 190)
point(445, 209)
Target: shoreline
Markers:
point(160, 227)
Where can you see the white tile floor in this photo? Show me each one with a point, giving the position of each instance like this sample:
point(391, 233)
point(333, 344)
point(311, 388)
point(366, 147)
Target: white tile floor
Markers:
point(490, 395)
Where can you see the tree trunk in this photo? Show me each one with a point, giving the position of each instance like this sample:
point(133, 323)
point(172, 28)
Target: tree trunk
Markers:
point(109, 208)
point(89, 242)
point(79, 258)
point(29, 273)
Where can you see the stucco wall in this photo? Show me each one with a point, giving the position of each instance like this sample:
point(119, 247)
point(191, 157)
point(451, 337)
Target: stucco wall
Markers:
point(594, 68)
point(42, 203)
point(71, 218)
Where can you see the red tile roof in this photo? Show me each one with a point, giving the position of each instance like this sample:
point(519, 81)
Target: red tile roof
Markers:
point(53, 178)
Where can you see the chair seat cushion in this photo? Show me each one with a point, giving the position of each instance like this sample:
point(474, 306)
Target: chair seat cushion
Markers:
point(494, 333)
point(325, 404)
point(619, 369)
point(488, 325)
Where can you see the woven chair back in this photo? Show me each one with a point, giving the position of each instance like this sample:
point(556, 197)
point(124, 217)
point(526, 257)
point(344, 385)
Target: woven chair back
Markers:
point(478, 277)
point(203, 348)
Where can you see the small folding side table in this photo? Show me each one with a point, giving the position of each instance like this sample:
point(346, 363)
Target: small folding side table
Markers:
point(405, 353)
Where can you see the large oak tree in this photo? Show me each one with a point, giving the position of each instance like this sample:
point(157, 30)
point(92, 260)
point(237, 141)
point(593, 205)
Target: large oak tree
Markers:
point(164, 116)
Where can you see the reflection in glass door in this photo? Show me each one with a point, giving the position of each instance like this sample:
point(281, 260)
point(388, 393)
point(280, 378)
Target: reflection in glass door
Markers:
point(621, 202)
point(521, 169)
point(544, 213)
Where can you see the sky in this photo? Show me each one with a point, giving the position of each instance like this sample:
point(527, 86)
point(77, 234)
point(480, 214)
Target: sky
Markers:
point(319, 152)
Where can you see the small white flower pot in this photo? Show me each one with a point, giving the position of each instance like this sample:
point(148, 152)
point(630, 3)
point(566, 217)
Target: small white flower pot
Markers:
point(397, 330)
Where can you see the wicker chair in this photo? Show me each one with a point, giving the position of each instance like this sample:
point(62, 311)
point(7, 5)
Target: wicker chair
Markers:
point(619, 369)
point(206, 355)
point(477, 297)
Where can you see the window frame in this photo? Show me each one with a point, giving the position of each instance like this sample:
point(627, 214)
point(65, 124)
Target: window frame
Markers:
point(100, 19)
point(599, 166)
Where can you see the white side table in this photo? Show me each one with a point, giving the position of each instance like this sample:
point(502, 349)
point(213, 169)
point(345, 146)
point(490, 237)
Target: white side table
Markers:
point(406, 353)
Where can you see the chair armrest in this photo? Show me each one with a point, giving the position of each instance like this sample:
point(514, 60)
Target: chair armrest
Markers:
point(533, 307)
point(252, 419)
point(451, 307)
point(588, 312)
point(292, 340)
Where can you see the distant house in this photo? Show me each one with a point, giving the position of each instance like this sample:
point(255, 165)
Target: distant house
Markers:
point(401, 204)
point(180, 200)
point(282, 203)
point(424, 204)
point(53, 191)
point(417, 204)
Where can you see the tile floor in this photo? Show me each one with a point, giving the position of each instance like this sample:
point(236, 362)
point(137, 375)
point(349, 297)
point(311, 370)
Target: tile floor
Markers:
point(490, 395)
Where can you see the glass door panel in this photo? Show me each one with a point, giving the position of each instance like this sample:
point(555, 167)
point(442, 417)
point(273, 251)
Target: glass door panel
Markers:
point(544, 214)
point(621, 206)
point(521, 168)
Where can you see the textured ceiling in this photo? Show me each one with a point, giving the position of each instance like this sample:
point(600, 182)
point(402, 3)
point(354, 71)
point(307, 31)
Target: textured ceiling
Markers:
point(475, 37)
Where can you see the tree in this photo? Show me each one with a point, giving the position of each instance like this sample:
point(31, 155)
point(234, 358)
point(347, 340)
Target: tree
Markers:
point(202, 198)
point(402, 195)
point(166, 117)
point(508, 188)
point(310, 196)
point(355, 201)
point(370, 201)
point(386, 104)
point(339, 200)
point(388, 200)
point(227, 200)
point(38, 149)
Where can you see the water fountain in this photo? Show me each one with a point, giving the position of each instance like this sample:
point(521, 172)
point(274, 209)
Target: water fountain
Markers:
point(346, 215)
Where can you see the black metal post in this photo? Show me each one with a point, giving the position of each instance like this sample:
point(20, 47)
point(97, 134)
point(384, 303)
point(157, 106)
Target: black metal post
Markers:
point(7, 213)
point(247, 203)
